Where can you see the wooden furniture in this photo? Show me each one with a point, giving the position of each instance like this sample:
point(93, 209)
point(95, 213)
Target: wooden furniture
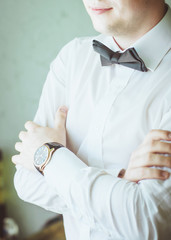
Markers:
point(54, 231)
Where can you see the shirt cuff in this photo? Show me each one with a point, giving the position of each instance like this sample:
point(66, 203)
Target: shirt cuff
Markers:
point(114, 172)
point(62, 169)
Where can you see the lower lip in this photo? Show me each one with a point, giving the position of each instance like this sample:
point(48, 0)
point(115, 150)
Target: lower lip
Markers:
point(100, 11)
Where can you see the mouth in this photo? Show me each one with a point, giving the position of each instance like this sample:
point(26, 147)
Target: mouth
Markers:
point(100, 10)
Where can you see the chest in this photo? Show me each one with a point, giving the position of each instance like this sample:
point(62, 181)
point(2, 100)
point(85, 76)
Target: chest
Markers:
point(110, 114)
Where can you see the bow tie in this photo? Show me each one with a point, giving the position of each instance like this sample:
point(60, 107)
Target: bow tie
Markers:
point(129, 58)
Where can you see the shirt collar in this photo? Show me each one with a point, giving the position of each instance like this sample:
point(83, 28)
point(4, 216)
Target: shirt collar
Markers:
point(152, 46)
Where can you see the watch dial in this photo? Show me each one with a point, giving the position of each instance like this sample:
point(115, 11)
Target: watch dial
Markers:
point(41, 155)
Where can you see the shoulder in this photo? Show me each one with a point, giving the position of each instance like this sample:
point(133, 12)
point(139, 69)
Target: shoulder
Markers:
point(76, 49)
point(79, 43)
point(82, 43)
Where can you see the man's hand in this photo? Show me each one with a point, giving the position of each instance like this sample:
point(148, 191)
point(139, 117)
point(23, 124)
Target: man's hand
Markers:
point(36, 136)
point(152, 152)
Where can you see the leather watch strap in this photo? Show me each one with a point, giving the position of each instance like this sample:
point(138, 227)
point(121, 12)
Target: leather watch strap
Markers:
point(54, 145)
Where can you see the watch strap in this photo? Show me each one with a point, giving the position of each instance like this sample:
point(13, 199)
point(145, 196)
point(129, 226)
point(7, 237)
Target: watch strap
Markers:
point(54, 145)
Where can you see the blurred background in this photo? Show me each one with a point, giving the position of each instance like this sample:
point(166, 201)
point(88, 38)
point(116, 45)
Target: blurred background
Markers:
point(31, 34)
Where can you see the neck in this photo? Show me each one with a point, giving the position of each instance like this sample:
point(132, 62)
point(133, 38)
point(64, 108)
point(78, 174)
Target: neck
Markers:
point(126, 40)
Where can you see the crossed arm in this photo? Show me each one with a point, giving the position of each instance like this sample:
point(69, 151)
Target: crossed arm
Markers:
point(125, 206)
point(111, 204)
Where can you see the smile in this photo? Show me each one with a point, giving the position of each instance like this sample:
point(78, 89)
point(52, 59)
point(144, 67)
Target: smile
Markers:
point(100, 10)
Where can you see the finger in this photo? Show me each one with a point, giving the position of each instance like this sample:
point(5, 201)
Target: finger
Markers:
point(152, 159)
point(60, 117)
point(157, 134)
point(137, 174)
point(159, 160)
point(154, 146)
point(30, 126)
point(15, 159)
point(22, 135)
point(150, 140)
point(18, 146)
point(159, 147)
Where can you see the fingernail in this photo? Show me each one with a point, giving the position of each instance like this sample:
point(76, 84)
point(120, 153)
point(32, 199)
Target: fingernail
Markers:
point(165, 174)
point(63, 109)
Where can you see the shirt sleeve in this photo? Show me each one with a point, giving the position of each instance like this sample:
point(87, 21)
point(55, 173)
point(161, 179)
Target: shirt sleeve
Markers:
point(30, 186)
point(112, 205)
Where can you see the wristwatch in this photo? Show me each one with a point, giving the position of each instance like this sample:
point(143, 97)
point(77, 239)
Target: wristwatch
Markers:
point(44, 154)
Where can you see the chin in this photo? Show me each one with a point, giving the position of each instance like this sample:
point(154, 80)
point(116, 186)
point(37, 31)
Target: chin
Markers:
point(104, 29)
point(117, 28)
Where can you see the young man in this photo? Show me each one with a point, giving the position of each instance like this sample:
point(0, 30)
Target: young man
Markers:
point(114, 102)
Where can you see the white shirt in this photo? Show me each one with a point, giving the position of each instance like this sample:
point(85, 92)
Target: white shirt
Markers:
point(111, 110)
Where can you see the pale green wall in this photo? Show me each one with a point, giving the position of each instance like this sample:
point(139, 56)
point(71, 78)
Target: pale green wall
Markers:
point(31, 34)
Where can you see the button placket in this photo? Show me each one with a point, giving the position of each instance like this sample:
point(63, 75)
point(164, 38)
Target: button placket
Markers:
point(95, 134)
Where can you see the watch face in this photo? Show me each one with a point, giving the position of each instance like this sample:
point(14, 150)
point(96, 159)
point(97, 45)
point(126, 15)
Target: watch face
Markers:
point(41, 155)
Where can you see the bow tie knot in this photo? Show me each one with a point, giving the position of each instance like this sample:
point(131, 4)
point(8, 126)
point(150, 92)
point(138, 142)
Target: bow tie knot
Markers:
point(129, 58)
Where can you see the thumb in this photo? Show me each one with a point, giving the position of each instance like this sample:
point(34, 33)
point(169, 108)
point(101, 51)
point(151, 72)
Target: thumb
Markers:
point(60, 117)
